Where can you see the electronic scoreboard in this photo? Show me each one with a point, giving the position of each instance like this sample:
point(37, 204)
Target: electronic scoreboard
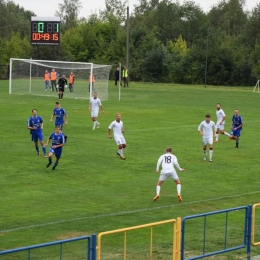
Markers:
point(45, 30)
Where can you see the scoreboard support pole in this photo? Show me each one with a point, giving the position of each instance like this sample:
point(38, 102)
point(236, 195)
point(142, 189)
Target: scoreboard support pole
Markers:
point(37, 51)
point(53, 52)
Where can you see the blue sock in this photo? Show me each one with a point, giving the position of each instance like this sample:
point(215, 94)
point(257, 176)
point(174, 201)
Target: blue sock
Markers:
point(236, 144)
point(37, 148)
point(55, 164)
point(50, 160)
point(44, 150)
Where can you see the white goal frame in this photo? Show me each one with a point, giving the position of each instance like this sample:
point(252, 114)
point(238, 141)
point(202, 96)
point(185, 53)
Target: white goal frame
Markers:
point(66, 66)
point(257, 86)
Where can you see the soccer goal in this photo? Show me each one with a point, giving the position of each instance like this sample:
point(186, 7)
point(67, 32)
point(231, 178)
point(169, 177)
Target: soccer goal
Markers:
point(27, 77)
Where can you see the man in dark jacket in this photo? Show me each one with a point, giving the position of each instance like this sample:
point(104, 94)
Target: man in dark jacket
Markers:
point(116, 76)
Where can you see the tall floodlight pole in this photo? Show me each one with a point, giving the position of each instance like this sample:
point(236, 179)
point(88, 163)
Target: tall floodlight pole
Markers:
point(206, 65)
point(127, 34)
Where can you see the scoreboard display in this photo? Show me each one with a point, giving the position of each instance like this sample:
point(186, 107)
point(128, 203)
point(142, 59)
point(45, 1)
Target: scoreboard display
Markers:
point(45, 30)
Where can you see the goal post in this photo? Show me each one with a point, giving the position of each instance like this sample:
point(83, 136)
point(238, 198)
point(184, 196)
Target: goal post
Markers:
point(26, 76)
point(256, 86)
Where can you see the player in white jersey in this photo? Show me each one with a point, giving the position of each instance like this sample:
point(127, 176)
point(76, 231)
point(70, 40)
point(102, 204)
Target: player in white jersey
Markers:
point(168, 161)
point(118, 130)
point(206, 129)
point(220, 122)
point(94, 104)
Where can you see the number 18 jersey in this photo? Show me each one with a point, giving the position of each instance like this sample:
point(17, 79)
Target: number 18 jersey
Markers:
point(168, 161)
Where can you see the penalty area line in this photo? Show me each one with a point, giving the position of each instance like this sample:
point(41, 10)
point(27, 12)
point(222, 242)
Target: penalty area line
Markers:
point(124, 212)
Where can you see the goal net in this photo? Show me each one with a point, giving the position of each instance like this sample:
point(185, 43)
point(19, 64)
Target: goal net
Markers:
point(27, 77)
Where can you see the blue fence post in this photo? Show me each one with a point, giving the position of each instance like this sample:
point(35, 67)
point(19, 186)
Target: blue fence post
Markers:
point(182, 238)
point(204, 235)
point(249, 230)
point(60, 251)
point(94, 246)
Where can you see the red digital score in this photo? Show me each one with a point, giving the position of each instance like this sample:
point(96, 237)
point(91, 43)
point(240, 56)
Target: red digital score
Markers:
point(45, 36)
point(45, 31)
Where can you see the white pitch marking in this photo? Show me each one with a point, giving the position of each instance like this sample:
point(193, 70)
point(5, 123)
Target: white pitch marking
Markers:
point(123, 212)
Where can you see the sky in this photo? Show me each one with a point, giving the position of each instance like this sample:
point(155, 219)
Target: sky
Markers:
point(48, 8)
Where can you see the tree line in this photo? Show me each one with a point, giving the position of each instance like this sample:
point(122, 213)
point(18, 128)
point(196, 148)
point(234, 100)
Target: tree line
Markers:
point(169, 41)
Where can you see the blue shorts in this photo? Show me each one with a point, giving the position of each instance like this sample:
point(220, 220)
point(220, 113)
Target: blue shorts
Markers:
point(60, 125)
point(56, 151)
point(236, 132)
point(37, 135)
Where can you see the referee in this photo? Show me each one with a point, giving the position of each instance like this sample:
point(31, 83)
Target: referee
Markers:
point(62, 83)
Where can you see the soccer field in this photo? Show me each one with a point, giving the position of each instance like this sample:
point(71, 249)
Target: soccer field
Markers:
point(92, 190)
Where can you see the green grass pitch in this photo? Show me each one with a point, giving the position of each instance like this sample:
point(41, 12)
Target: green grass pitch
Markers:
point(92, 190)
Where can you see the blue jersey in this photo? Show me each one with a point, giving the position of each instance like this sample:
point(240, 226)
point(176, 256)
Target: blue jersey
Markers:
point(59, 114)
point(237, 121)
point(57, 139)
point(35, 122)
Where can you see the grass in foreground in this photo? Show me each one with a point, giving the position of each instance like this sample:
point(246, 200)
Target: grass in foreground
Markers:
point(92, 190)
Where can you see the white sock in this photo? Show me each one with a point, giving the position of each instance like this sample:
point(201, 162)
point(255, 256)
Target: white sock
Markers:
point(158, 188)
point(217, 136)
point(227, 134)
point(97, 122)
point(205, 152)
point(179, 189)
point(120, 152)
point(210, 154)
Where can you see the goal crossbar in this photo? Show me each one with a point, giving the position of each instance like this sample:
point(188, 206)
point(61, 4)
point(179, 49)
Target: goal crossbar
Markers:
point(26, 77)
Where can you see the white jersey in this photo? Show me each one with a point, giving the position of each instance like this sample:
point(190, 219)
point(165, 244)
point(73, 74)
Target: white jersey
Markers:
point(220, 114)
point(168, 162)
point(117, 127)
point(207, 128)
point(95, 103)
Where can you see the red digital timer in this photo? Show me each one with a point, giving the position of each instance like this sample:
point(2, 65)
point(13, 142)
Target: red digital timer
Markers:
point(45, 31)
point(45, 36)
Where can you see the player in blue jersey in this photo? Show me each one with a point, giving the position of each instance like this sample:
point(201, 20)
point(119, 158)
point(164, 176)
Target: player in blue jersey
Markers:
point(236, 127)
point(58, 140)
point(35, 125)
point(59, 113)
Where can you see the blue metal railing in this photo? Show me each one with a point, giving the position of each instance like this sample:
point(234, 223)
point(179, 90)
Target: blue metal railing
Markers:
point(246, 237)
point(90, 254)
point(246, 234)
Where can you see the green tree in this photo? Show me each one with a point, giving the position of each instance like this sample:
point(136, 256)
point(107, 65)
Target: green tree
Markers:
point(115, 9)
point(154, 70)
point(14, 18)
point(194, 22)
point(256, 61)
point(252, 33)
point(68, 13)
point(179, 46)
point(173, 62)
point(167, 18)
point(75, 48)
point(229, 16)
point(16, 47)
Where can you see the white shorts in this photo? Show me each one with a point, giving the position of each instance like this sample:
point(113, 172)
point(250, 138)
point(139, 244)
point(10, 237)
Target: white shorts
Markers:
point(220, 127)
point(94, 113)
point(207, 140)
point(165, 176)
point(119, 139)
